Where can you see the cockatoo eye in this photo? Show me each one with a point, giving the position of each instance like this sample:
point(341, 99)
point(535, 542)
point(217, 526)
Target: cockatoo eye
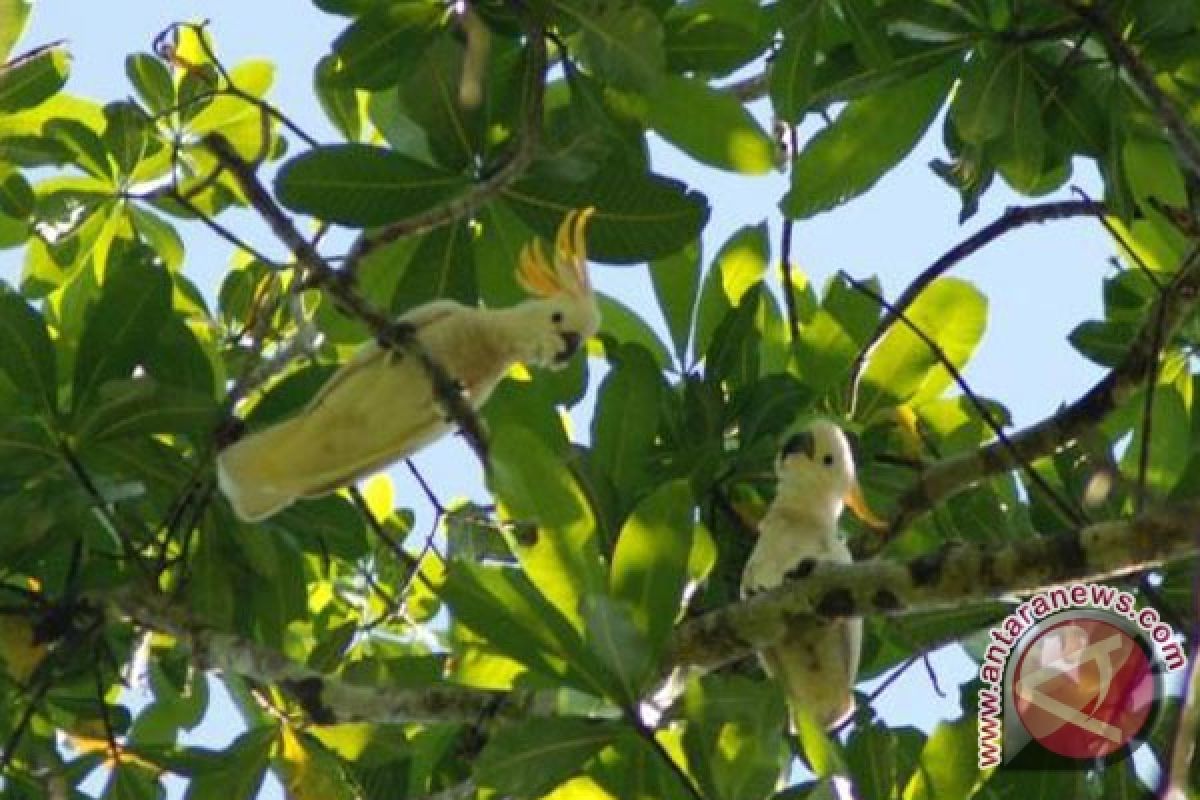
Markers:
point(556, 317)
point(827, 460)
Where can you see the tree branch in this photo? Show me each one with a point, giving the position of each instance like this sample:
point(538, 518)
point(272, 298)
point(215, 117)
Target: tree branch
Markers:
point(951, 475)
point(959, 574)
point(326, 699)
point(486, 188)
point(1180, 132)
point(1013, 217)
point(398, 337)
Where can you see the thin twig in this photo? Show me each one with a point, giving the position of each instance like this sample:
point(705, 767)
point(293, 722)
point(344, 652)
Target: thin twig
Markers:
point(1181, 133)
point(1012, 218)
point(1070, 513)
point(426, 488)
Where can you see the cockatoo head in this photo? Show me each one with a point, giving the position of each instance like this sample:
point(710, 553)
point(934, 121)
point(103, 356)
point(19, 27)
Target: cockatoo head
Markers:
point(562, 314)
point(816, 462)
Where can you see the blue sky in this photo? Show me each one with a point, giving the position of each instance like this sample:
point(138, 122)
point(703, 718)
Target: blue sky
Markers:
point(1040, 281)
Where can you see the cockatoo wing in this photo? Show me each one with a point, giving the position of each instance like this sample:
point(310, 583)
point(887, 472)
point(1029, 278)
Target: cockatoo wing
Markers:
point(377, 408)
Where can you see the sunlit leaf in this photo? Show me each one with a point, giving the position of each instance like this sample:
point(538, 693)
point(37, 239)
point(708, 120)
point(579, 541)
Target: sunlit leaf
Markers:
point(953, 314)
point(29, 79)
point(649, 565)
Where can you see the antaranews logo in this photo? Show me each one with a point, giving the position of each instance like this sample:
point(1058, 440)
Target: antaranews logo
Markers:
point(1077, 672)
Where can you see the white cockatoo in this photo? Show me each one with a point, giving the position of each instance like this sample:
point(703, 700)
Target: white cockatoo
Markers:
point(380, 406)
point(816, 663)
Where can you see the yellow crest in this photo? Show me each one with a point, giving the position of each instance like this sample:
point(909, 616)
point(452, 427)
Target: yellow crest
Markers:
point(568, 273)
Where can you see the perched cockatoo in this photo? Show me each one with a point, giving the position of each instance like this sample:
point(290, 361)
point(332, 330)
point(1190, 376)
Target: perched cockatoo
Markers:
point(380, 406)
point(816, 663)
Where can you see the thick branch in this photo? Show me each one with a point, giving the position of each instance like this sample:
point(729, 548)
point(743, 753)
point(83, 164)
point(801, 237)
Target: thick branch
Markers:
point(488, 187)
point(398, 337)
point(327, 699)
point(1012, 218)
point(951, 475)
point(959, 574)
point(1187, 145)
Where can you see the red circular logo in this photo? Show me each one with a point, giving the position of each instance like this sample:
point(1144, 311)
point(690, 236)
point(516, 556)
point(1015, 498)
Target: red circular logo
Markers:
point(1083, 688)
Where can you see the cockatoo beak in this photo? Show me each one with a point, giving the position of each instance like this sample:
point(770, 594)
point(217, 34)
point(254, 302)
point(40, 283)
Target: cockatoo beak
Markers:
point(856, 502)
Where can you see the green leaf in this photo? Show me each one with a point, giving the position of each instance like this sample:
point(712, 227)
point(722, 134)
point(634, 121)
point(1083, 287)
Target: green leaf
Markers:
point(829, 343)
point(649, 565)
point(639, 216)
point(134, 304)
point(732, 738)
point(341, 104)
point(948, 765)
point(675, 280)
point(16, 195)
point(129, 136)
point(730, 137)
point(502, 606)
point(144, 406)
point(237, 119)
point(26, 447)
point(29, 79)
point(1020, 152)
point(529, 758)
point(442, 267)
point(1170, 438)
point(951, 312)
point(1152, 170)
point(532, 486)
point(988, 96)
point(13, 16)
point(867, 139)
point(822, 752)
point(29, 361)
point(240, 770)
point(384, 45)
point(713, 37)
point(626, 326)
point(881, 760)
point(623, 43)
point(791, 78)
point(1103, 342)
point(361, 185)
point(129, 781)
point(626, 419)
point(634, 770)
point(620, 646)
point(159, 234)
point(326, 526)
point(152, 80)
point(739, 265)
point(736, 354)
